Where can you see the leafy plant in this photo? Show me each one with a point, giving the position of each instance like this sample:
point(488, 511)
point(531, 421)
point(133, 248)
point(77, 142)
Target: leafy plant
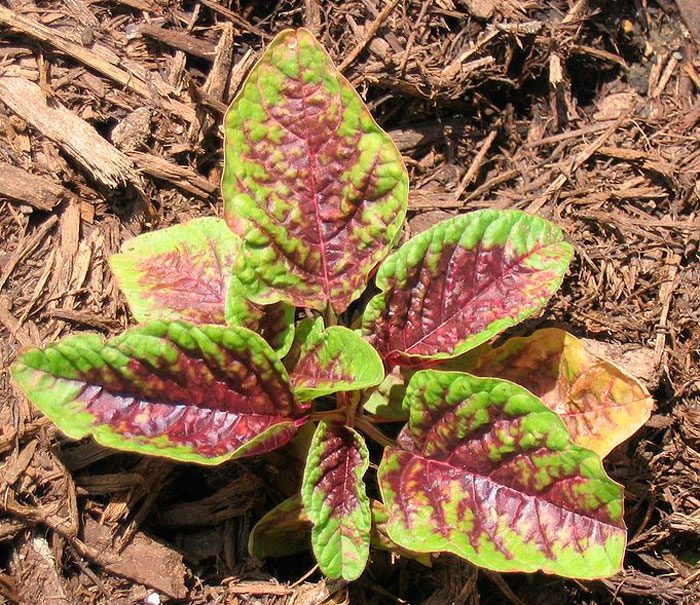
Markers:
point(315, 195)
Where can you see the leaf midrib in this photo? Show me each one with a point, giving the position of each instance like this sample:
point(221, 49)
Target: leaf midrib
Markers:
point(509, 268)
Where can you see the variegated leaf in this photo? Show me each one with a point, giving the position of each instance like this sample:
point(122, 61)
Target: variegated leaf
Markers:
point(181, 272)
point(336, 502)
point(461, 282)
point(201, 394)
point(600, 404)
point(335, 359)
point(485, 471)
point(314, 187)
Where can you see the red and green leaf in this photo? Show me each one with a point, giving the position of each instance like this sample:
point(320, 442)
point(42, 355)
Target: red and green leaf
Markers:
point(332, 360)
point(181, 272)
point(316, 190)
point(600, 404)
point(201, 394)
point(461, 282)
point(336, 502)
point(380, 538)
point(284, 531)
point(485, 471)
point(275, 322)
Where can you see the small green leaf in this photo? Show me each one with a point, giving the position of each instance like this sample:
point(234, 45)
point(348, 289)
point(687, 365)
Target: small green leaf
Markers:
point(335, 500)
point(485, 471)
point(316, 190)
point(463, 281)
point(284, 531)
point(181, 272)
point(386, 399)
point(332, 360)
point(197, 393)
point(275, 322)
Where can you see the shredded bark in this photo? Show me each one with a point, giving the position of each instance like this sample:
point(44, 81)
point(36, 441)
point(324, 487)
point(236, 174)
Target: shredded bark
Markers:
point(584, 111)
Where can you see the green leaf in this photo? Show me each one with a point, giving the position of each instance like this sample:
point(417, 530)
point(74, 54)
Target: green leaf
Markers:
point(335, 359)
point(285, 466)
point(335, 500)
point(600, 404)
point(386, 399)
point(181, 272)
point(485, 471)
point(284, 531)
point(275, 322)
point(461, 282)
point(201, 394)
point(314, 187)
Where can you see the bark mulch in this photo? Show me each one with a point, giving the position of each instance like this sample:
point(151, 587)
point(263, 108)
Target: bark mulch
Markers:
point(586, 112)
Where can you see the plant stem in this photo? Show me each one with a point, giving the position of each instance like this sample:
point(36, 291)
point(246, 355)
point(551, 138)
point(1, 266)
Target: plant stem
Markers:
point(329, 316)
point(349, 402)
point(374, 433)
point(328, 415)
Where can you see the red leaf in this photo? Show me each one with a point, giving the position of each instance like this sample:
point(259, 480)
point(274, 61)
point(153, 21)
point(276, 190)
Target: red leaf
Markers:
point(198, 393)
point(461, 282)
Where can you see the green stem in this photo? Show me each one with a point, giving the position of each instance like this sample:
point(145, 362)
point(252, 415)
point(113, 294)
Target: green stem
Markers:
point(328, 415)
point(373, 432)
point(329, 316)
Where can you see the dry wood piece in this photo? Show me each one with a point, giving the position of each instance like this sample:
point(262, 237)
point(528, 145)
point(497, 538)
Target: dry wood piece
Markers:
point(22, 186)
point(180, 40)
point(235, 18)
point(100, 59)
point(690, 10)
point(143, 560)
point(369, 34)
point(476, 164)
point(180, 176)
point(26, 247)
point(74, 135)
point(215, 85)
point(230, 501)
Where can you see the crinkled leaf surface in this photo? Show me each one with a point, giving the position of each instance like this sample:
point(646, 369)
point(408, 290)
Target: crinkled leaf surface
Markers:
point(461, 282)
point(600, 404)
point(485, 471)
point(181, 272)
point(275, 322)
point(284, 531)
point(335, 359)
point(196, 393)
point(335, 500)
point(314, 187)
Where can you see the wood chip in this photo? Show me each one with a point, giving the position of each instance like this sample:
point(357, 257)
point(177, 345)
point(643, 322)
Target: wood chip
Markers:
point(26, 247)
point(35, 565)
point(180, 40)
point(144, 560)
point(74, 135)
point(180, 176)
point(101, 59)
point(36, 191)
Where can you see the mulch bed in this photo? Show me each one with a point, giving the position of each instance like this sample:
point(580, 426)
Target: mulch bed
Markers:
point(586, 112)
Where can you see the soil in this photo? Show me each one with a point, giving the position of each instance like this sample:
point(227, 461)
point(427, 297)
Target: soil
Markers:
point(586, 112)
